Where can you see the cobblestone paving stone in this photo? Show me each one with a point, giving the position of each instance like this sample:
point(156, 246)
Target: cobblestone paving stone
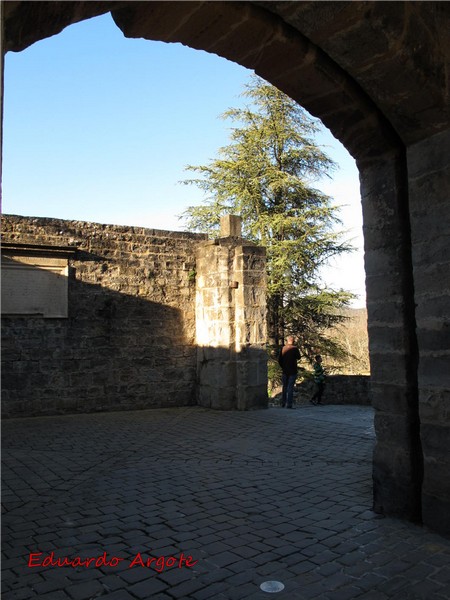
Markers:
point(280, 495)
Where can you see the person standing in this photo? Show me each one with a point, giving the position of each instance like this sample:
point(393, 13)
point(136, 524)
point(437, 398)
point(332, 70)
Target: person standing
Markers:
point(319, 380)
point(287, 359)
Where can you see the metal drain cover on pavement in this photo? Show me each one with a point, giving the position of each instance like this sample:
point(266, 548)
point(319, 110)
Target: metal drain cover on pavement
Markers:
point(272, 586)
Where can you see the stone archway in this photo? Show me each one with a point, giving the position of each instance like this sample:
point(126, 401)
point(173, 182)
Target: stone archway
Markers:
point(377, 74)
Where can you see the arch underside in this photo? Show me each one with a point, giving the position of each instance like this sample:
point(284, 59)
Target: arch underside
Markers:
point(348, 63)
point(376, 74)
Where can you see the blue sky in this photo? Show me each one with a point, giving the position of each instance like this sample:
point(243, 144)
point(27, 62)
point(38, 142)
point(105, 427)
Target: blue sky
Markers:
point(100, 128)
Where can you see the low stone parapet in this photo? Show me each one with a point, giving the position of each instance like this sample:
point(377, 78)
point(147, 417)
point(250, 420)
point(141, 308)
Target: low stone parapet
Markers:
point(339, 389)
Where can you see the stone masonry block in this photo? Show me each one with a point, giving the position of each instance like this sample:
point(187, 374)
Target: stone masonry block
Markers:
point(390, 398)
point(388, 367)
point(230, 226)
point(435, 513)
point(433, 245)
point(223, 374)
point(391, 310)
point(427, 280)
point(435, 439)
point(394, 486)
point(389, 338)
point(436, 481)
point(379, 288)
point(433, 336)
point(429, 156)
point(253, 397)
point(392, 428)
point(434, 371)
point(223, 399)
point(434, 405)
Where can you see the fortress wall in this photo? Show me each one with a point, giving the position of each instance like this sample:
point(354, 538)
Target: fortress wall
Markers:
point(128, 341)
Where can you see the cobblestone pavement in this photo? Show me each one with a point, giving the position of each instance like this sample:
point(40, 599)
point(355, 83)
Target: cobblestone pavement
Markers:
point(275, 495)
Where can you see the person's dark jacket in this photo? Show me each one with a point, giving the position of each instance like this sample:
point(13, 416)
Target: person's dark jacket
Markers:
point(288, 358)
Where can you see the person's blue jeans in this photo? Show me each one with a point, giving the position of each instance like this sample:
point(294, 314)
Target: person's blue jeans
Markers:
point(288, 390)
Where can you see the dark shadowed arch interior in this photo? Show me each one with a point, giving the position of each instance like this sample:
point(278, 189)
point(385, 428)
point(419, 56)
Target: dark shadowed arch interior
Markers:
point(375, 73)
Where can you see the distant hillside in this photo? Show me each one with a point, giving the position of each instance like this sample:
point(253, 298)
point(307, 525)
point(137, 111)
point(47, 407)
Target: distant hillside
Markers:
point(352, 334)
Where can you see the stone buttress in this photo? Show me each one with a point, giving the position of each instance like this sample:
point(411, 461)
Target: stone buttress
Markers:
point(231, 321)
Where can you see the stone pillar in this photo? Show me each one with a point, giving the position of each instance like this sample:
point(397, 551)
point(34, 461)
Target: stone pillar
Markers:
point(231, 321)
point(250, 329)
point(397, 460)
point(230, 226)
point(429, 193)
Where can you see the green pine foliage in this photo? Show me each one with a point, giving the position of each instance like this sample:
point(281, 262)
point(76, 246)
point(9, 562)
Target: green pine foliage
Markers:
point(267, 175)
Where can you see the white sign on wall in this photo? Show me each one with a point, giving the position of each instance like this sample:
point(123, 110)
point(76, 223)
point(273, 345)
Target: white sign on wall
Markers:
point(35, 285)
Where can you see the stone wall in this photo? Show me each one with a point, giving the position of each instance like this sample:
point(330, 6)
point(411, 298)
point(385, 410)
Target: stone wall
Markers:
point(155, 319)
point(406, 224)
point(392, 337)
point(429, 192)
point(339, 389)
point(129, 339)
